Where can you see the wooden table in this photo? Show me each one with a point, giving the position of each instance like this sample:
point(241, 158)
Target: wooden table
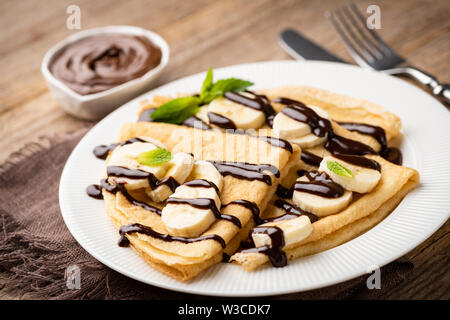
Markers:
point(215, 33)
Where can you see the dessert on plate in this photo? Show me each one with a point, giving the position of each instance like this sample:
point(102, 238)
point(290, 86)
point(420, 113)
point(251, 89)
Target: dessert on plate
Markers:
point(229, 174)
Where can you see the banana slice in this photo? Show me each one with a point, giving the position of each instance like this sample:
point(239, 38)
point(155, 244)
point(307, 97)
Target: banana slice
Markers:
point(179, 168)
point(296, 131)
point(206, 170)
point(126, 156)
point(288, 128)
point(242, 116)
point(362, 181)
point(187, 220)
point(309, 141)
point(202, 114)
point(320, 206)
point(294, 231)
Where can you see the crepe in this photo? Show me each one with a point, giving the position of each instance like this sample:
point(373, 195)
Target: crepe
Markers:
point(361, 215)
point(184, 261)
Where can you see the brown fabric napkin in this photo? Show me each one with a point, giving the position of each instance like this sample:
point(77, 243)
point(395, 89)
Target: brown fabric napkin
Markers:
point(36, 247)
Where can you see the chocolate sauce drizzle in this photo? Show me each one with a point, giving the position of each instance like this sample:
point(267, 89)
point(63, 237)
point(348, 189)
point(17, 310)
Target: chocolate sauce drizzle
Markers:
point(95, 190)
point(103, 150)
point(359, 161)
point(274, 251)
point(206, 203)
point(319, 184)
point(247, 171)
point(202, 183)
point(117, 171)
point(136, 202)
point(292, 211)
point(311, 159)
point(257, 102)
point(284, 192)
point(221, 121)
point(249, 205)
point(277, 142)
point(139, 228)
point(393, 155)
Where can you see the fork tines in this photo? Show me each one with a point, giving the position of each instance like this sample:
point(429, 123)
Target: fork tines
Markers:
point(364, 45)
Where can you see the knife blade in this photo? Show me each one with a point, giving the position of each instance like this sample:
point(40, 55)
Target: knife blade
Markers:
point(299, 47)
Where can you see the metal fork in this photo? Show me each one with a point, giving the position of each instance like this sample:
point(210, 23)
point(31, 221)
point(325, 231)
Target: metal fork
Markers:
point(369, 51)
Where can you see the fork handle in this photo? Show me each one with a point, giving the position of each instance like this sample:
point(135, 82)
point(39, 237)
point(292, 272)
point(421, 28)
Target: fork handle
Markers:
point(439, 90)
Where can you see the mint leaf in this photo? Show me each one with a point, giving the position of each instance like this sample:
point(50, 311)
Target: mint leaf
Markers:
point(207, 84)
point(225, 85)
point(177, 110)
point(154, 157)
point(339, 169)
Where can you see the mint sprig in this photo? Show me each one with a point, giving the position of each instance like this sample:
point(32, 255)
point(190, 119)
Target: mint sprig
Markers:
point(178, 110)
point(339, 169)
point(154, 157)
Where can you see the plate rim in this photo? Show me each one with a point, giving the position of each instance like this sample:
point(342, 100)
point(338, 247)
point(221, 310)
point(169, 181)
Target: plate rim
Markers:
point(169, 286)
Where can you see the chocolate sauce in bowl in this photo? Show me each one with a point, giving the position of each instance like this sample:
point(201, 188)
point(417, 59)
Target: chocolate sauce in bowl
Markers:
point(139, 228)
point(101, 62)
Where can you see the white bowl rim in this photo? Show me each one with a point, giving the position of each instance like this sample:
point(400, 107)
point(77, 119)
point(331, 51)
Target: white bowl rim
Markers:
point(124, 29)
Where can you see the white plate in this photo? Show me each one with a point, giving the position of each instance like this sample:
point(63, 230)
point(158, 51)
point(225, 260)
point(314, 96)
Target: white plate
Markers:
point(426, 147)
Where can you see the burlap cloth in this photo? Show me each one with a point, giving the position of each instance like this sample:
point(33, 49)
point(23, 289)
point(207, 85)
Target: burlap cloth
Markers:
point(36, 247)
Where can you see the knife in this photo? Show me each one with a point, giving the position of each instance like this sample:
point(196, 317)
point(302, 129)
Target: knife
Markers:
point(300, 48)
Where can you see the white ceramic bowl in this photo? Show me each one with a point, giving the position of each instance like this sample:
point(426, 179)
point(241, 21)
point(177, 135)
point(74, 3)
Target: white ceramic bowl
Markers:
point(97, 105)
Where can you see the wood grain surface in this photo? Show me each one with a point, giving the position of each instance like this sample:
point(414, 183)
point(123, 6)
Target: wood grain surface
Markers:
point(203, 33)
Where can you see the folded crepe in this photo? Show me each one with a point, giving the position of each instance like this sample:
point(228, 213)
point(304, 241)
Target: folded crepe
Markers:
point(183, 261)
point(362, 214)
